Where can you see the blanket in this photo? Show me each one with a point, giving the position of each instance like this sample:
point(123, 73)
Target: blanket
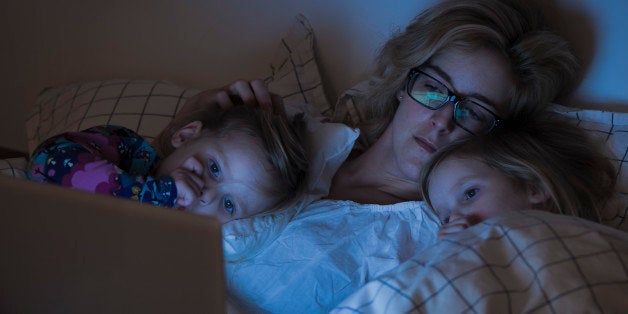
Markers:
point(523, 261)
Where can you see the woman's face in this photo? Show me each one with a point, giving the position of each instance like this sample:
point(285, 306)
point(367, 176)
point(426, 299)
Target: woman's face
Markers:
point(416, 132)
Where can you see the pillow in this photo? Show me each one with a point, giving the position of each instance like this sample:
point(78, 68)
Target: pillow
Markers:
point(294, 69)
point(610, 128)
point(522, 261)
point(607, 126)
point(13, 167)
point(143, 106)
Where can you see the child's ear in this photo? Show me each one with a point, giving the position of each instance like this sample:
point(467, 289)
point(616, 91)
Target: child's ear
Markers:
point(187, 132)
point(537, 194)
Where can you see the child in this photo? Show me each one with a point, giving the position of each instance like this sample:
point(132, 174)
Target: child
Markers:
point(228, 164)
point(542, 162)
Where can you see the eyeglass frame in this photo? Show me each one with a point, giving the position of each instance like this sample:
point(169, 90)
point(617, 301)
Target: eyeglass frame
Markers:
point(451, 97)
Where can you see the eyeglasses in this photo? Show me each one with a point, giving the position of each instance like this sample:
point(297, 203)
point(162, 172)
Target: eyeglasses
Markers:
point(469, 113)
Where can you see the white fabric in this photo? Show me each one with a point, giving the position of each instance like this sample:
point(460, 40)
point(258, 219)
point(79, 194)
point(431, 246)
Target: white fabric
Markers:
point(523, 261)
point(329, 249)
point(329, 146)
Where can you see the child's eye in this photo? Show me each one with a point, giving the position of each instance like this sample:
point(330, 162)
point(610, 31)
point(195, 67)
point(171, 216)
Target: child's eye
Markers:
point(470, 193)
point(214, 169)
point(229, 207)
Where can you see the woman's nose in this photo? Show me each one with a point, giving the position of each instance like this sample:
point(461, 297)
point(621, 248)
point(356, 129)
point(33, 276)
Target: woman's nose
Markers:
point(442, 118)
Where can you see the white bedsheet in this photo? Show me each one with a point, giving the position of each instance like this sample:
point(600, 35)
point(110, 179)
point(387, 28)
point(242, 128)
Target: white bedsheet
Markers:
point(327, 252)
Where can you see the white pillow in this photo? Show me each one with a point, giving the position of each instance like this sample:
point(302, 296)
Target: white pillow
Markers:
point(13, 167)
point(144, 106)
point(294, 69)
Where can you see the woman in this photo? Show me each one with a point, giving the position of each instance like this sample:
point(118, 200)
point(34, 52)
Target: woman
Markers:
point(455, 71)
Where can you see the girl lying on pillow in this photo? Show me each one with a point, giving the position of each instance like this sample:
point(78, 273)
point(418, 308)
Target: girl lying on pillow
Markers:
point(228, 164)
point(543, 163)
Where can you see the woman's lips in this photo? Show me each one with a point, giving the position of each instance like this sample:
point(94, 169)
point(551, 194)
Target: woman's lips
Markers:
point(427, 146)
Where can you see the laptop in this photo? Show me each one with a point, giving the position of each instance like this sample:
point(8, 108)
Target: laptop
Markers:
point(68, 251)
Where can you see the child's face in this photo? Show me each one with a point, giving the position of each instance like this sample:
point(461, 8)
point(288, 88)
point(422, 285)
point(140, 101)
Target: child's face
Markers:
point(465, 189)
point(220, 177)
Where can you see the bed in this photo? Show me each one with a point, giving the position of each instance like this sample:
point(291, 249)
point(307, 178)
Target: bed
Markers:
point(381, 260)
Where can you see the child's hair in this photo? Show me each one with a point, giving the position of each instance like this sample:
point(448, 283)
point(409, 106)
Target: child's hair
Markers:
point(283, 141)
point(546, 152)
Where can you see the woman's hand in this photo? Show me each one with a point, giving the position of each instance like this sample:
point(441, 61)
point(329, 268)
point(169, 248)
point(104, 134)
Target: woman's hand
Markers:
point(248, 93)
point(254, 93)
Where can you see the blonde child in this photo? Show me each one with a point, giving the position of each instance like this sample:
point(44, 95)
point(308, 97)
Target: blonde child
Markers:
point(542, 162)
point(228, 164)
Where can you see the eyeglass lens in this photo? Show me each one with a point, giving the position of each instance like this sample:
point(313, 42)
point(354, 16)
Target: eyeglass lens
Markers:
point(433, 94)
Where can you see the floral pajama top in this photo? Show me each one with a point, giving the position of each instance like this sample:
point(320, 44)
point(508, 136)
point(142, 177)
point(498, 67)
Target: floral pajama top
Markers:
point(108, 159)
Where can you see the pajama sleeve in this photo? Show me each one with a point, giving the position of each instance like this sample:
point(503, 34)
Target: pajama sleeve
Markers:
point(108, 160)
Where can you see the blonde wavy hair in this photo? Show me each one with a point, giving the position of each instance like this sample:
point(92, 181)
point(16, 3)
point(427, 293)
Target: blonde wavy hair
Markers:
point(546, 152)
point(544, 65)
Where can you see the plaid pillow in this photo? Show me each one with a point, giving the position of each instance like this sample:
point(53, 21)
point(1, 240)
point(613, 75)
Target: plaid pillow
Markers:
point(143, 106)
point(13, 167)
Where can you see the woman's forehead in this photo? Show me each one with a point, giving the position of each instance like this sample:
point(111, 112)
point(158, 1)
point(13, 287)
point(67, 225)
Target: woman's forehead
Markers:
point(482, 73)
